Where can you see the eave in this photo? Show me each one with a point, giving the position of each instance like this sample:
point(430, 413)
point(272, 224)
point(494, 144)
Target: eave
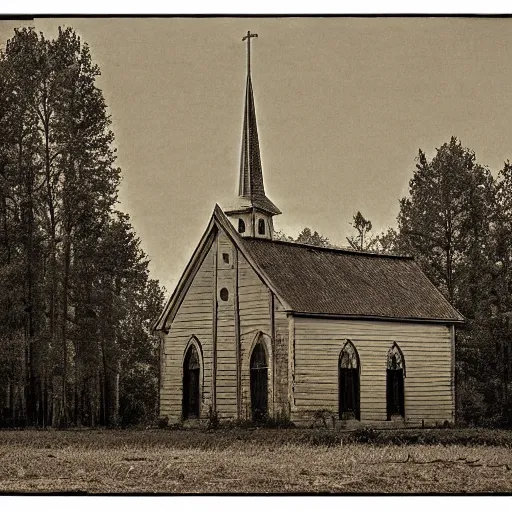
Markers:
point(376, 317)
point(190, 271)
point(218, 220)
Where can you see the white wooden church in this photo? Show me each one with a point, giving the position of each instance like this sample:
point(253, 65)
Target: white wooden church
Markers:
point(258, 328)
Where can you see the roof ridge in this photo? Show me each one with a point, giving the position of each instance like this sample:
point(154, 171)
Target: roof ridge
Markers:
point(334, 249)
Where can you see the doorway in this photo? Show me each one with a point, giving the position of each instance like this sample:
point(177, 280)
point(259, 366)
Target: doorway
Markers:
point(191, 384)
point(259, 383)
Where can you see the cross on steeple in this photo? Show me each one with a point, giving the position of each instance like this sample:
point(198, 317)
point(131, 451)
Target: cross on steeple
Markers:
point(248, 37)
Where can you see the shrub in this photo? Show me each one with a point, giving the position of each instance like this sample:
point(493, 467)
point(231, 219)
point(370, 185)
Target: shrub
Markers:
point(365, 435)
point(324, 438)
point(213, 419)
point(323, 417)
point(281, 420)
point(163, 421)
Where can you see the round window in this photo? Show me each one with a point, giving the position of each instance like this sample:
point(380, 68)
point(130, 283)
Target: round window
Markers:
point(224, 294)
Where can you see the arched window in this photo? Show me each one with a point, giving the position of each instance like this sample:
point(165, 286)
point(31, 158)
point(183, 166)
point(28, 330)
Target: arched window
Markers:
point(241, 226)
point(348, 372)
point(259, 383)
point(261, 226)
point(395, 373)
point(191, 383)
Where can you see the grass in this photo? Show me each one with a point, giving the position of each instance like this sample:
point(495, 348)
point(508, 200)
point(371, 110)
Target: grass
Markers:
point(256, 461)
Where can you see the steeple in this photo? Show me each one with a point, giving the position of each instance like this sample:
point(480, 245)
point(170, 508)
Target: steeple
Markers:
point(253, 205)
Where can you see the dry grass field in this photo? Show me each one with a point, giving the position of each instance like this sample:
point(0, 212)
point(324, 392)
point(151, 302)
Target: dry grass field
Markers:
point(253, 461)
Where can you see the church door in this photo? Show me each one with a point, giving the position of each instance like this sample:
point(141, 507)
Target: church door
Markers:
point(191, 384)
point(349, 383)
point(259, 383)
point(395, 383)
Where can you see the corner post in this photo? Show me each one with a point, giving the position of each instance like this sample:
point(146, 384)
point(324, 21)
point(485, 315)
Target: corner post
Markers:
point(237, 340)
point(214, 328)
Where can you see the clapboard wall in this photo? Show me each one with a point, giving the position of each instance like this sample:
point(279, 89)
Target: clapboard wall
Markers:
point(255, 326)
point(427, 350)
point(281, 348)
point(262, 319)
point(251, 313)
point(226, 378)
point(193, 318)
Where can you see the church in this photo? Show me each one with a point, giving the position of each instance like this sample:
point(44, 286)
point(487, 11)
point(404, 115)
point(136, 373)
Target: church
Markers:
point(261, 329)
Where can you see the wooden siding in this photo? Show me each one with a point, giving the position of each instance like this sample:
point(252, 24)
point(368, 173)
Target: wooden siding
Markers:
point(281, 329)
point(205, 315)
point(255, 316)
point(428, 359)
point(226, 339)
point(303, 352)
point(194, 318)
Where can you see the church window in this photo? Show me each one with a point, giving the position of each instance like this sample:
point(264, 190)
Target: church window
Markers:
point(261, 226)
point(191, 384)
point(241, 226)
point(224, 294)
point(348, 375)
point(259, 383)
point(395, 373)
point(225, 257)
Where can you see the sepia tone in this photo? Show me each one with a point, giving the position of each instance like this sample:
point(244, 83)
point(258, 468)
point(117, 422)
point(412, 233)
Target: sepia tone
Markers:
point(295, 329)
point(348, 100)
point(379, 341)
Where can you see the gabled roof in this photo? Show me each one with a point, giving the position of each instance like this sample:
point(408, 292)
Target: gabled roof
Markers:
point(218, 221)
point(315, 281)
point(346, 283)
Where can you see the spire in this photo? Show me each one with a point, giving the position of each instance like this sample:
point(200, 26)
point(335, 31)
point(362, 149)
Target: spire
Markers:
point(251, 186)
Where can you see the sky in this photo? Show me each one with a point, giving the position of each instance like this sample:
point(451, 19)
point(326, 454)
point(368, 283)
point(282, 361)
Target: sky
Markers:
point(343, 105)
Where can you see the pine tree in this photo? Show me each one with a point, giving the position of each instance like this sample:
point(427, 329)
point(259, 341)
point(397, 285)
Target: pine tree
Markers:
point(446, 223)
point(73, 276)
point(363, 241)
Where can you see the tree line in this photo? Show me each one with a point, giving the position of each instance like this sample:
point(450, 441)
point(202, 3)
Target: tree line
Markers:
point(457, 223)
point(76, 299)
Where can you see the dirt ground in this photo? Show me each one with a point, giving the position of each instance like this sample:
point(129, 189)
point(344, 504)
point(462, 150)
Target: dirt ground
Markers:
point(153, 461)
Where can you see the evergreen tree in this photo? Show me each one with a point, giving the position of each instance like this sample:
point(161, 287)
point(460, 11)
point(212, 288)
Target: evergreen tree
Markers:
point(306, 236)
point(74, 279)
point(363, 241)
point(446, 223)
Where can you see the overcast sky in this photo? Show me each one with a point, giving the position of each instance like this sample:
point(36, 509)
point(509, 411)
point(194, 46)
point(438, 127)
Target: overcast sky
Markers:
point(343, 105)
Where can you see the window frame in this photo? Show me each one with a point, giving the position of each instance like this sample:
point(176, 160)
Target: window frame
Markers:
point(262, 229)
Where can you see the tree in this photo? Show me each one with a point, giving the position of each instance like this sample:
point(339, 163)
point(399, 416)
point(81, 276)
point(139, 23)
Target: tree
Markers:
point(388, 242)
point(501, 286)
point(306, 236)
point(20, 183)
point(363, 241)
point(140, 354)
point(312, 238)
point(446, 214)
point(74, 276)
point(281, 236)
point(446, 223)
